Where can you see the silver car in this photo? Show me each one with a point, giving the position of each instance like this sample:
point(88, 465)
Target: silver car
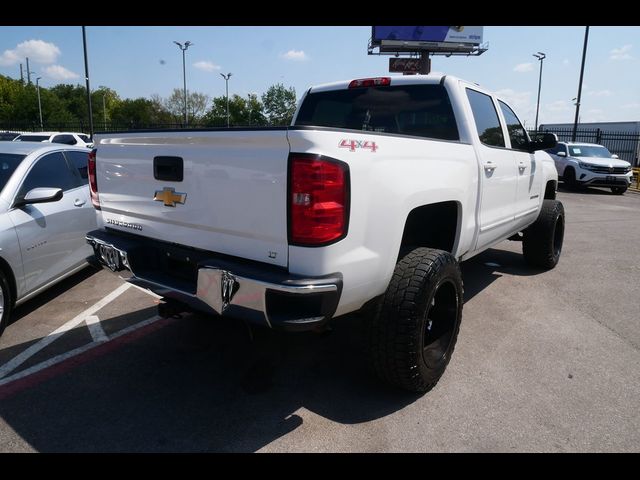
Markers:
point(45, 211)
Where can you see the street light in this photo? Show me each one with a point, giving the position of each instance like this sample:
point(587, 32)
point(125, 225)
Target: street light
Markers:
point(187, 44)
point(39, 104)
point(540, 56)
point(226, 79)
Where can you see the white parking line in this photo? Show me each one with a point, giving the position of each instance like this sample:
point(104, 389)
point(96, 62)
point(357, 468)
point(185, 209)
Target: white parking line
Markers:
point(19, 359)
point(64, 356)
point(95, 329)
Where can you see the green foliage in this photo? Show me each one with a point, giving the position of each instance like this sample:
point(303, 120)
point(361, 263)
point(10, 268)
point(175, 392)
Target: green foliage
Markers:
point(242, 112)
point(67, 104)
point(279, 104)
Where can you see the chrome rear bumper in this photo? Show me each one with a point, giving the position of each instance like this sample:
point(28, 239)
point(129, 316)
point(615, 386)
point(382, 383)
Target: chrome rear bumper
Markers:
point(251, 291)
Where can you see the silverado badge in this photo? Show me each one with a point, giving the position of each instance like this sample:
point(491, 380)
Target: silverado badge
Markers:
point(169, 196)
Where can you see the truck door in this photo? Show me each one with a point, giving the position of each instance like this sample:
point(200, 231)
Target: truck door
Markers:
point(498, 171)
point(529, 181)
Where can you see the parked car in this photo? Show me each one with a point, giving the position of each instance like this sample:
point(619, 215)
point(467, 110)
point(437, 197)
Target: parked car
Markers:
point(591, 165)
point(8, 136)
point(68, 138)
point(45, 212)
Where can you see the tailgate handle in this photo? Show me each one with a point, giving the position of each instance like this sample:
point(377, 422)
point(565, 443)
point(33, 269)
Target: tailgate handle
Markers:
point(168, 169)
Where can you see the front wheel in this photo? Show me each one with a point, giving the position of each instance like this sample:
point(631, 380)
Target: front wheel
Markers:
point(618, 190)
point(414, 328)
point(542, 240)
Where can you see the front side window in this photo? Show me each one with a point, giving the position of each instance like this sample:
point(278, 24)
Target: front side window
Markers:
point(517, 133)
point(50, 171)
point(419, 110)
point(486, 119)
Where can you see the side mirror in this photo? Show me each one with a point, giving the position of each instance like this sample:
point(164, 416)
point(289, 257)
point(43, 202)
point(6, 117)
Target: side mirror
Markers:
point(562, 154)
point(615, 157)
point(543, 142)
point(40, 195)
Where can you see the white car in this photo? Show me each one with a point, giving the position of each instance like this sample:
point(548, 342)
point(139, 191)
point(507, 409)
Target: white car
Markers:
point(591, 165)
point(45, 211)
point(68, 138)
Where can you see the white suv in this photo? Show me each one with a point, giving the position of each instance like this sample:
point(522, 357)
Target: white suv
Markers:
point(591, 165)
point(68, 138)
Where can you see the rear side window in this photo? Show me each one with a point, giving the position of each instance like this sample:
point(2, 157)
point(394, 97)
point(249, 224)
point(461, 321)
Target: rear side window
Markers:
point(84, 138)
point(66, 139)
point(79, 160)
point(419, 110)
point(486, 118)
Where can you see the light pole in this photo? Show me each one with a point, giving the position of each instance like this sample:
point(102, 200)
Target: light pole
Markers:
point(86, 75)
point(540, 56)
point(584, 56)
point(226, 79)
point(39, 104)
point(187, 44)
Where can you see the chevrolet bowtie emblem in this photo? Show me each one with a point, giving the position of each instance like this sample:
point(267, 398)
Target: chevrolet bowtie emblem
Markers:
point(169, 196)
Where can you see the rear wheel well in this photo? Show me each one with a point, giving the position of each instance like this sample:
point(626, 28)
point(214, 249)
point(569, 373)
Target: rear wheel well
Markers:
point(432, 226)
point(550, 190)
point(8, 273)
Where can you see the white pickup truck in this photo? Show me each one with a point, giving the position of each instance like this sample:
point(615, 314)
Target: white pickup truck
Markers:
point(367, 202)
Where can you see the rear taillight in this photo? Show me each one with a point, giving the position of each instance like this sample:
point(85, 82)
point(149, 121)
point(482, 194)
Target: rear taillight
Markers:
point(318, 200)
point(93, 182)
point(370, 82)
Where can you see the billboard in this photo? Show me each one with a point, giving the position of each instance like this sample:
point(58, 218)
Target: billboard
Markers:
point(471, 35)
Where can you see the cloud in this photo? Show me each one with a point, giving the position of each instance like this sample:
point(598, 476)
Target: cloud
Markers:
point(621, 53)
point(558, 106)
point(600, 93)
point(523, 67)
point(520, 101)
point(295, 55)
point(632, 105)
point(206, 66)
point(38, 51)
point(58, 72)
point(565, 61)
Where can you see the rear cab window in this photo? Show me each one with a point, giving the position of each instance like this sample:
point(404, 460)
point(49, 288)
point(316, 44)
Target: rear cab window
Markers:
point(418, 110)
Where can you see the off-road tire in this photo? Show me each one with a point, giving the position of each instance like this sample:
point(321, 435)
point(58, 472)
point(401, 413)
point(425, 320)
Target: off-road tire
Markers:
point(542, 240)
point(422, 307)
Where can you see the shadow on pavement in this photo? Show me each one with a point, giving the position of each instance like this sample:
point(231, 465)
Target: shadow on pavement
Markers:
point(211, 384)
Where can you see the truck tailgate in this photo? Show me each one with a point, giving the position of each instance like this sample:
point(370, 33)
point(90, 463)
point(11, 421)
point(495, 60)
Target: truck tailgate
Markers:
point(234, 186)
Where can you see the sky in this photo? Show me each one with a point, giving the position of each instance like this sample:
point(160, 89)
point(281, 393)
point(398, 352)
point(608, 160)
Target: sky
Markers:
point(141, 61)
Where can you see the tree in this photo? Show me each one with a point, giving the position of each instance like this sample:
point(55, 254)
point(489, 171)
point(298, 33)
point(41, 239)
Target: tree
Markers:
point(196, 105)
point(279, 104)
point(241, 111)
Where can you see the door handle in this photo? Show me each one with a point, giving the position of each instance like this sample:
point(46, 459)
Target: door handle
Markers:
point(490, 166)
point(522, 166)
point(79, 202)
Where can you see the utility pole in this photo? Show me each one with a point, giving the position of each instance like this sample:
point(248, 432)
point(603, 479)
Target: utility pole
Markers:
point(104, 111)
point(21, 75)
point(584, 56)
point(187, 44)
point(540, 56)
point(28, 73)
point(39, 104)
point(86, 76)
point(226, 79)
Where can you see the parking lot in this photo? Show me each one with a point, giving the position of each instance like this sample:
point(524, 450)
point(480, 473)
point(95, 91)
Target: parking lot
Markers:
point(545, 361)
